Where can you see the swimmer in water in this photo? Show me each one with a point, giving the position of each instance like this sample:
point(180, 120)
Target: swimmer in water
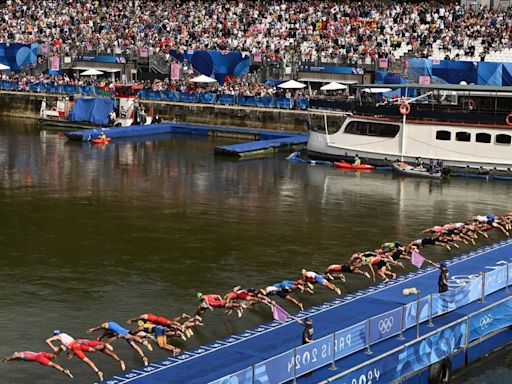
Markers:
point(43, 358)
point(115, 331)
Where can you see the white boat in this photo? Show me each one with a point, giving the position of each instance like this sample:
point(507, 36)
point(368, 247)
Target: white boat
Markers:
point(468, 127)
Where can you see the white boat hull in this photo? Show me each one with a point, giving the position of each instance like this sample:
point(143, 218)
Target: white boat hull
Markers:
point(418, 140)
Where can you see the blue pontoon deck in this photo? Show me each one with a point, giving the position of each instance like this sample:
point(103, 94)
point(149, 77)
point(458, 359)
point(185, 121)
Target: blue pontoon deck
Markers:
point(370, 334)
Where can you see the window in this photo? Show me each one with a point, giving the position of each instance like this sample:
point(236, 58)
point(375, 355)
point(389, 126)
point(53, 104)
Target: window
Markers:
point(503, 139)
point(444, 135)
point(483, 138)
point(463, 136)
point(372, 129)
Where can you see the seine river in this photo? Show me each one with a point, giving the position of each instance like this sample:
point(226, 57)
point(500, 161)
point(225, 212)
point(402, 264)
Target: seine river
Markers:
point(90, 234)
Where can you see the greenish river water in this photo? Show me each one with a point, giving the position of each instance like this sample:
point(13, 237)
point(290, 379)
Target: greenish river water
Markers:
point(90, 234)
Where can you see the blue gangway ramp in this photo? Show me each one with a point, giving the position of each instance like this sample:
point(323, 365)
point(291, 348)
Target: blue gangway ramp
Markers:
point(360, 332)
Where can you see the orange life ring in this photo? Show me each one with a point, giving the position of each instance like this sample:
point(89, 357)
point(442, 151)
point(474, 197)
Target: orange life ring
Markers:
point(507, 119)
point(471, 104)
point(405, 108)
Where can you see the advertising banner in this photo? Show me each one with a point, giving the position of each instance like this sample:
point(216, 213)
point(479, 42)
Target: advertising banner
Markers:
point(350, 340)
point(491, 320)
point(385, 325)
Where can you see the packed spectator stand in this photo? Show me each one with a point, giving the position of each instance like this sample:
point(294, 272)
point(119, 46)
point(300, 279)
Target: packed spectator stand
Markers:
point(353, 33)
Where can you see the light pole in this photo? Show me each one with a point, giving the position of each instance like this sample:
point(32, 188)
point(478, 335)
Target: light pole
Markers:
point(417, 292)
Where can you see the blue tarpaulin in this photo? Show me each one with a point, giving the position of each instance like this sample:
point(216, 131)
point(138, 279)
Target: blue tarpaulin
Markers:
point(95, 111)
point(489, 73)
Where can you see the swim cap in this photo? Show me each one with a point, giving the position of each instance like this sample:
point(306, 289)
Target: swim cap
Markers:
point(442, 264)
point(56, 332)
point(140, 323)
point(199, 295)
point(303, 271)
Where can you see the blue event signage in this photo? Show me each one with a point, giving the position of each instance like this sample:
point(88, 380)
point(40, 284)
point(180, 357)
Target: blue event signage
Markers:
point(455, 298)
point(331, 69)
point(491, 320)
point(409, 359)
point(276, 370)
point(241, 377)
point(386, 325)
point(311, 356)
point(495, 280)
point(410, 312)
point(350, 340)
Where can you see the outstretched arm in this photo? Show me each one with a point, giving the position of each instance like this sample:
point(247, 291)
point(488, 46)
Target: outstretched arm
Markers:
point(49, 342)
point(90, 330)
point(10, 358)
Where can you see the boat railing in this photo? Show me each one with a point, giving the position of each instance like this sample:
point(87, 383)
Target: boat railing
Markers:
point(328, 350)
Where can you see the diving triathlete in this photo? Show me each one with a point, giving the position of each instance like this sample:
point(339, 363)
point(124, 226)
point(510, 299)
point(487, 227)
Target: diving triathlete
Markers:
point(160, 334)
point(78, 347)
point(216, 301)
point(115, 331)
point(313, 277)
point(43, 358)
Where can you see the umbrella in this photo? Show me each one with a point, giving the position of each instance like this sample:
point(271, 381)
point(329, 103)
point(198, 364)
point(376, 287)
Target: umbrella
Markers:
point(333, 86)
point(292, 84)
point(91, 72)
point(203, 79)
point(376, 90)
point(4, 67)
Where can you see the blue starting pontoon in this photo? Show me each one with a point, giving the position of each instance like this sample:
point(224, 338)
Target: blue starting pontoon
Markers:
point(376, 335)
point(265, 141)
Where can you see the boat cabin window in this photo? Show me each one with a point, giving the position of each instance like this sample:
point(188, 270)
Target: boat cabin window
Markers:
point(372, 129)
point(503, 139)
point(463, 136)
point(444, 135)
point(483, 138)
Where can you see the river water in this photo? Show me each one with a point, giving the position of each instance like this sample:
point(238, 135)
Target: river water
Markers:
point(97, 233)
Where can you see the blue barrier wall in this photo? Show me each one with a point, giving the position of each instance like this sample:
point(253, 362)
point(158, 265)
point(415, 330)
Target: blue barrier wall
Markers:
point(16, 55)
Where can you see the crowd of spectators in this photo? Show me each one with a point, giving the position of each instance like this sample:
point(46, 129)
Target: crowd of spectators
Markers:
point(233, 86)
point(276, 31)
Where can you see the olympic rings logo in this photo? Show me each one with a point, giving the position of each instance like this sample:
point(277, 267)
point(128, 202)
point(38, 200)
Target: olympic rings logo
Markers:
point(486, 321)
point(386, 324)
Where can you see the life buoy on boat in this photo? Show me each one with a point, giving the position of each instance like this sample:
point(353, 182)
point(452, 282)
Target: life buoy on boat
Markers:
point(405, 108)
point(507, 119)
point(471, 104)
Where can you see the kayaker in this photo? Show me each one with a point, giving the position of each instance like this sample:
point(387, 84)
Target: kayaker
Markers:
point(102, 136)
point(115, 331)
point(357, 161)
point(43, 358)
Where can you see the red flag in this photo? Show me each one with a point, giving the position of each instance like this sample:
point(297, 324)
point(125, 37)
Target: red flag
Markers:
point(279, 313)
point(416, 259)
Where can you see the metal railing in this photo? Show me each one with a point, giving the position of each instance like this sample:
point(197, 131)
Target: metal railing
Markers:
point(326, 351)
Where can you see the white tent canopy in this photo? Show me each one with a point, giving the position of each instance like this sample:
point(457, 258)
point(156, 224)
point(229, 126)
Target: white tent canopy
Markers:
point(203, 79)
point(4, 67)
point(292, 84)
point(91, 72)
point(377, 90)
point(334, 86)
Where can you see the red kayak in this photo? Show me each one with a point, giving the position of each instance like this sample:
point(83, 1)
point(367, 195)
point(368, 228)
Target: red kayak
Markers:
point(342, 164)
point(101, 141)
